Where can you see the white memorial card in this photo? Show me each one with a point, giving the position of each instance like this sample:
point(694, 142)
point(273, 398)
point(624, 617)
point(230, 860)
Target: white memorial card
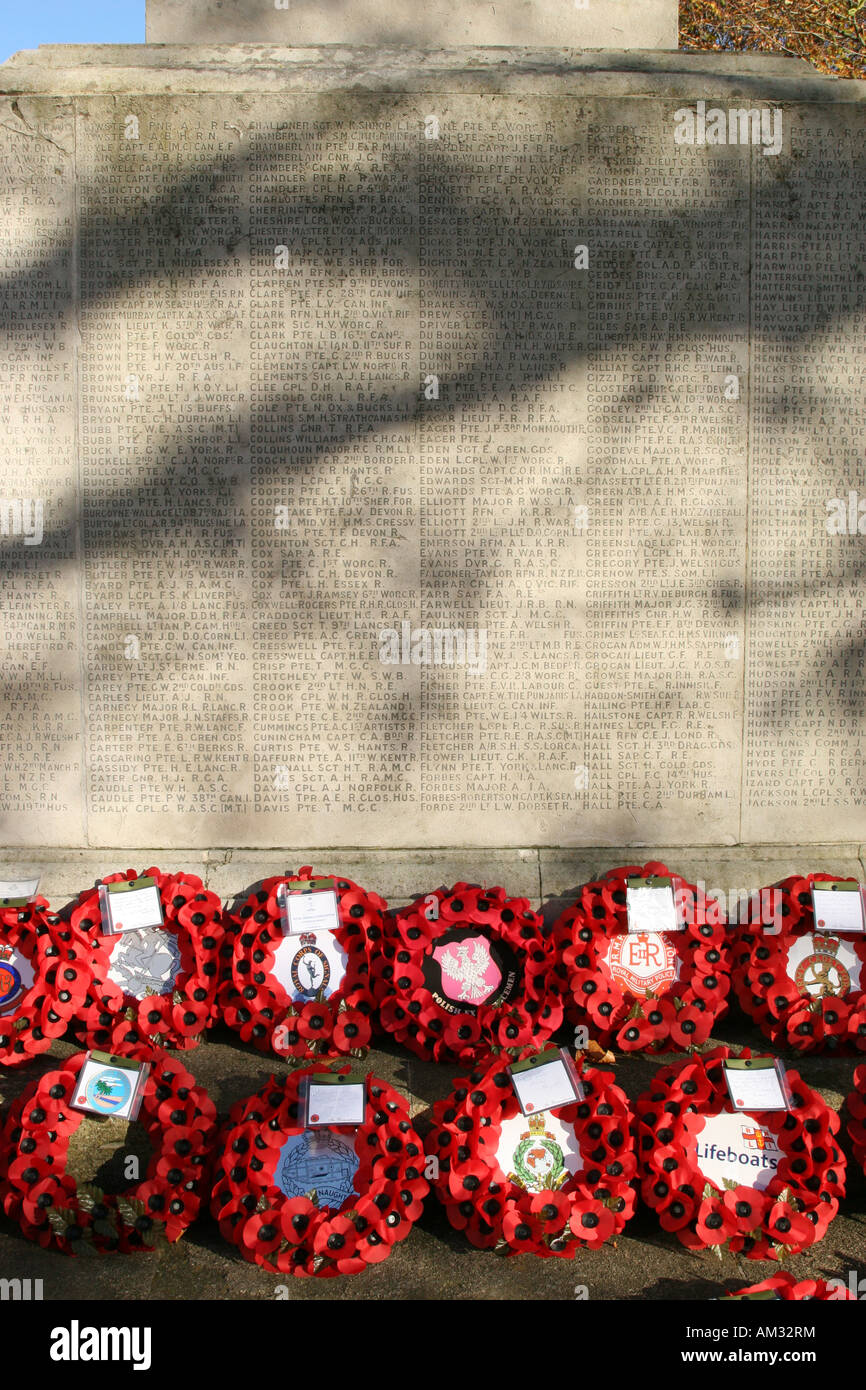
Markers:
point(545, 1082)
point(650, 905)
point(18, 890)
point(755, 1084)
point(336, 1100)
point(306, 910)
point(838, 907)
point(132, 905)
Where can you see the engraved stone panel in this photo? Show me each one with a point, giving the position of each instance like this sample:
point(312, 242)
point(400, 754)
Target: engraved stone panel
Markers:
point(432, 467)
point(805, 753)
point(41, 798)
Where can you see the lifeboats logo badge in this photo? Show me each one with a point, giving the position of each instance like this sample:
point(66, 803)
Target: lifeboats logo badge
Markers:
point(538, 1163)
point(11, 987)
point(466, 969)
point(643, 960)
point(736, 1148)
point(819, 971)
point(108, 1091)
point(310, 969)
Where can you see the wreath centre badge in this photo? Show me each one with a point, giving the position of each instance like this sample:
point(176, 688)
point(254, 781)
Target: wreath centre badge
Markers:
point(739, 1148)
point(641, 961)
point(16, 976)
point(466, 969)
point(308, 962)
point(538, 1153)
point(318, 1160)
point(145, 961)
point(821, 965)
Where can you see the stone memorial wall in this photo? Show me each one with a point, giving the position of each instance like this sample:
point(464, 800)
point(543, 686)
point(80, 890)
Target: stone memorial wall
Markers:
point(458, 452)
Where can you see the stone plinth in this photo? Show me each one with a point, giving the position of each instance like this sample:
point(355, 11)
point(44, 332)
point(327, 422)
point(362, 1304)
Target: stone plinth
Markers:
point(651, 24)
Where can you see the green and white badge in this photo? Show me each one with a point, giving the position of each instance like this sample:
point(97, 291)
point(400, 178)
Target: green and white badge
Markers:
point(132, 904)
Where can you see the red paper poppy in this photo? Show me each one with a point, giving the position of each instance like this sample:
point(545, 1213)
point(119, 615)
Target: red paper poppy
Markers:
point(856, 1107)
point(805, 989)
point(376, 1177)
point(55, 1211)
point(265, 994)
point(163, 985)
point(551, 1183)
point(642, 992)
point(798, 1166)
point(790, 1289)
point(46, 968)
point(465, 972)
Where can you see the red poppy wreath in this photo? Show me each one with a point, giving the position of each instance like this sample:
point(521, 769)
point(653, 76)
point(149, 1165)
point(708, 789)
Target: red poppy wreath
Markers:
point(80, 1219)
point(305, 994)
point(786, 1287)
point(765, 1185)
point(642, 991)
point(322, 1201)
point(550, 1183)
point(856, 1107)
point(805, 988)
point(46, 969)
point(162, 979)
point(465, 972)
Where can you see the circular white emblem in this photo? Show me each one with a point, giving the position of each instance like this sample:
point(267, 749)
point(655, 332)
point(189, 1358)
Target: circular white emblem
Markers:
point(538, 1152)
point(307, 962)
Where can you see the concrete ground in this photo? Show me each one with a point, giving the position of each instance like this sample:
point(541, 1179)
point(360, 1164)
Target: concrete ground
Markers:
point(435, 1262)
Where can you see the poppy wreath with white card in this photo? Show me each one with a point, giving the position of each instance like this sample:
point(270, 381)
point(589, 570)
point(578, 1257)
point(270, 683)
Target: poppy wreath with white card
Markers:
point(642, 992)
point(465, 972)
point(552, 1183)
point(856, 1107)
point(58, 1212)
point(163, 980)
point(46, 969)
point(306, 994)
point(763, 1185)
point(805, 987)
point(325, 1201)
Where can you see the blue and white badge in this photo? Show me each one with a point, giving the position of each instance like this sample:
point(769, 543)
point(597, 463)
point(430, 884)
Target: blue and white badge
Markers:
point(16, 976)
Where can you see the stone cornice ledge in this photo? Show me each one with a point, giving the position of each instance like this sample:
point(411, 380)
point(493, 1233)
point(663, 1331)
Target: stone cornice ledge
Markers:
point(180, 69)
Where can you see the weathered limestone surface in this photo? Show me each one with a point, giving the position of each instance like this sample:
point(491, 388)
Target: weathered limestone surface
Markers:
point(576, 24)
point(301, 349)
